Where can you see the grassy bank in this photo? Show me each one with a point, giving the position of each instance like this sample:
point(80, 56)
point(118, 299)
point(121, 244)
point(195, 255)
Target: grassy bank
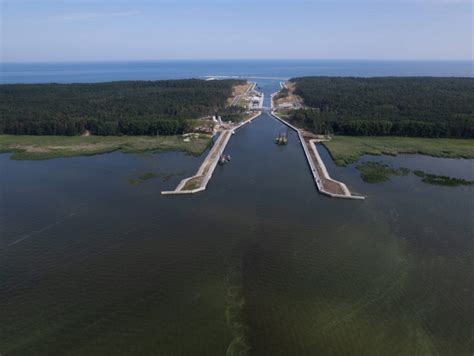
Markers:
point(47, 147)
point(348, 149)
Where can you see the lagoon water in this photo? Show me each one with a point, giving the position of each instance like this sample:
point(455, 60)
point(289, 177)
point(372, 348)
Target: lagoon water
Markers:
point(259, 263)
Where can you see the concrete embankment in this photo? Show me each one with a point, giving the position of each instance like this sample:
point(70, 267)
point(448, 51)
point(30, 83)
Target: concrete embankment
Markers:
point(326, 185)
point(199, 181)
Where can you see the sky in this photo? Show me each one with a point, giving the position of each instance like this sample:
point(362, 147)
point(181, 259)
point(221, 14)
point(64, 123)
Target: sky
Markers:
point(105, 30)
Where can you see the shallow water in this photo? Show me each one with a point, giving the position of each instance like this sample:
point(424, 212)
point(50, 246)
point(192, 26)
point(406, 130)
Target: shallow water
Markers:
point(91, 264)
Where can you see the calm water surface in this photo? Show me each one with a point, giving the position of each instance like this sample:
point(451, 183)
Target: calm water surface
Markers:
point(91, 264)
point(256, 69)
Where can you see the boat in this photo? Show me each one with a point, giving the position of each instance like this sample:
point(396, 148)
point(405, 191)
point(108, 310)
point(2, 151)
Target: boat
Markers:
point(224, 159)
point(282, 139)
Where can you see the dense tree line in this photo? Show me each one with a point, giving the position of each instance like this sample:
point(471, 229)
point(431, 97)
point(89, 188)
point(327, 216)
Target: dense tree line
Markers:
point(401, 106)
point(117, 108)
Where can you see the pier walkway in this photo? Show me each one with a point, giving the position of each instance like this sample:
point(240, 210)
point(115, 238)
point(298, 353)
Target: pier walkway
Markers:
point(326, 185)
point(199, 181)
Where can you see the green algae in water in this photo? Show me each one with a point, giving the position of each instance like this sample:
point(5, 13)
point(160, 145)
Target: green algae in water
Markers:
point(167, 176)
point(143, 176)
point(376, 172)
point(147, 175)
point(235, 301)
point(442, 180)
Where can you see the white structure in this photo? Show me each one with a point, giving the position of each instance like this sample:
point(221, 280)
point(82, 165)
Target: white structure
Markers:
point(286, 106)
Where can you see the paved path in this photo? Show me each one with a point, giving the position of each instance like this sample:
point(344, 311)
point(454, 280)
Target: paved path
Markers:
point(199, 181)
point(326, 185)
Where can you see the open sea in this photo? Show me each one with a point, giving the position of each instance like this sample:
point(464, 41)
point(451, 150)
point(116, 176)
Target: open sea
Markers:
point(251, 69)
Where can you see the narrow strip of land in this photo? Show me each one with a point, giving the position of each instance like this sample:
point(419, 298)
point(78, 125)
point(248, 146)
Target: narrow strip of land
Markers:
point(199, 181)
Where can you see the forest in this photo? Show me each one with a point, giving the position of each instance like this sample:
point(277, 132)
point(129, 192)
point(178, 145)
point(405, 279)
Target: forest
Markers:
point(164, 107)
point(387, 106)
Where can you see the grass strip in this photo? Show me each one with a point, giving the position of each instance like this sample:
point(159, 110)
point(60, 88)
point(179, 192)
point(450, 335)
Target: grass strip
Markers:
point(48, 147)
point(348, 149)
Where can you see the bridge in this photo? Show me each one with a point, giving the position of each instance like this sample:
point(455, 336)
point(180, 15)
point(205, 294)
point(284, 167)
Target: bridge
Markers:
point(262, 109)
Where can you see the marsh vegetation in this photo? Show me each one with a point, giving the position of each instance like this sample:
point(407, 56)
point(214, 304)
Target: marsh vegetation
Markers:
point(47, 147)
point(442, 180)
point(347, 149)
point(376, 172)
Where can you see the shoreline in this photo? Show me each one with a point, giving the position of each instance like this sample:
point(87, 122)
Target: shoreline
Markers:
point(325, 184)
point(198, 182)
point(44, 147)
point(37, 148)
point(345, 150)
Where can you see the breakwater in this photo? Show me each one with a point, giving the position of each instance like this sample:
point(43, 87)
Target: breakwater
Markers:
point(325, 184)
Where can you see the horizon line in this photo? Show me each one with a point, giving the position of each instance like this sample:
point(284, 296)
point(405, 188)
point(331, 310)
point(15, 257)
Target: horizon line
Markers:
point(237, 59)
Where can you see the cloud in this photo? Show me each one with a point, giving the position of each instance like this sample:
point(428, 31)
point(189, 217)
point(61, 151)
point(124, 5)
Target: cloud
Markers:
point(86, 16)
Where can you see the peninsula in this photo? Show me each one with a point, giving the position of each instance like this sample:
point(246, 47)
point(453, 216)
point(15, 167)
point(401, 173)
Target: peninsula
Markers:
point(42, 121)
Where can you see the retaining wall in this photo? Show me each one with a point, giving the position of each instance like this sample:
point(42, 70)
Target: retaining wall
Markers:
point(179, 189)
point(314, 171)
